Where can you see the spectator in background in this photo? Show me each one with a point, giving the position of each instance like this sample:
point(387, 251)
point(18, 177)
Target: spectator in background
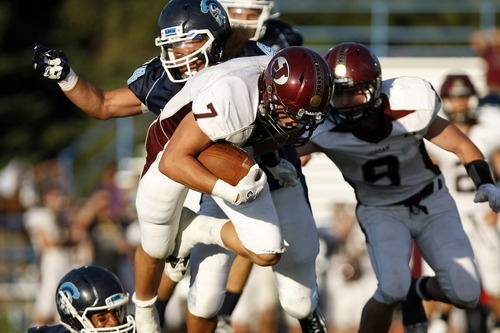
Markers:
point(350, 278)
point(47, 226)
point(96, 220)
point(486, 44)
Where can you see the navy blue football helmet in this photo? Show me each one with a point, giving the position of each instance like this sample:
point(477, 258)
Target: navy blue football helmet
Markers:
point(89, 289)
point(190, 21)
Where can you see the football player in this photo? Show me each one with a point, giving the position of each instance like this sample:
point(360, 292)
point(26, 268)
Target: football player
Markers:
point(257, 17)
point(460, 102)
point(90, 299)
point(374, 134)
point(149, 87)
point(279, 101)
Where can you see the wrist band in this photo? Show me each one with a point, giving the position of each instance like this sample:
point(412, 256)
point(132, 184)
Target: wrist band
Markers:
point(69, 82)
point(143, 304)
point(480, 173)
point(225, 191)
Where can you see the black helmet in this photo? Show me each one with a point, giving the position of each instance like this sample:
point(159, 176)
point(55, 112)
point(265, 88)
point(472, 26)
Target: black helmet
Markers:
point(184, 20)
point(89, 289)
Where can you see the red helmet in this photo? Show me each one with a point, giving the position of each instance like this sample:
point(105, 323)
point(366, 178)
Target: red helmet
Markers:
point(298, 83)
point(459, 85)
point(355, 68)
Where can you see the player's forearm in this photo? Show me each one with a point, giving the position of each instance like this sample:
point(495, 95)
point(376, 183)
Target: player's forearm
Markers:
point(189, 172)
point(89, 98)
point(101, 104)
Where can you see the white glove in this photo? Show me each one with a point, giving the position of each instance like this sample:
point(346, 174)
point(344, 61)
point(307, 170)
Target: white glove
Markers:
point(146, 316)
point(490, 193)
point(285, 173)
point(251, 185)
point(247, 190)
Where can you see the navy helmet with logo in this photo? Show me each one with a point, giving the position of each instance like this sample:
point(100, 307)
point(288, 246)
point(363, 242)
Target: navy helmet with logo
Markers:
point(90, 289)
point(184, 22)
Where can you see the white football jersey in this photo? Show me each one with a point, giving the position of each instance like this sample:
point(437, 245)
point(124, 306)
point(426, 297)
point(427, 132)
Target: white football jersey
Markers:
point(224, 99)
point(392, 167)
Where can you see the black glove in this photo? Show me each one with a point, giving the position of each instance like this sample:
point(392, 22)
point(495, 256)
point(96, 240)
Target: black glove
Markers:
point(52, 64)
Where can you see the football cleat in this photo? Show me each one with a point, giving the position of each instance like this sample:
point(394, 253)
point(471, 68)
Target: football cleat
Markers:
point(176, 268)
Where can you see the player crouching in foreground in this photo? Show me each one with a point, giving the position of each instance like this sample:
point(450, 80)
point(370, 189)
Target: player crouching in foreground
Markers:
point(90, 299)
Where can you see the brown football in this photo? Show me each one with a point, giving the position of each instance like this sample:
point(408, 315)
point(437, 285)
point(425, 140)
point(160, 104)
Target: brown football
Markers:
point(226, 161)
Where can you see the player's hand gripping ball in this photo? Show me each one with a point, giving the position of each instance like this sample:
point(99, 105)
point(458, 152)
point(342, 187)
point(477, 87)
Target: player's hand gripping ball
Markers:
point(226, 161)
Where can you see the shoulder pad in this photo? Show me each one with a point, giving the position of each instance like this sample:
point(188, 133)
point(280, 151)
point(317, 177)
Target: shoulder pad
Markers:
point(410, 93)
point(280, 34)
point(415, 98)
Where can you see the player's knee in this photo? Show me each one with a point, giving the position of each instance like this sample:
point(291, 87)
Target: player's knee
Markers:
point(297, 306)
point(155, 241)
point(392, 291)
point(156, 251)
point(465, 286)
point(267, 259)
point(206, 307)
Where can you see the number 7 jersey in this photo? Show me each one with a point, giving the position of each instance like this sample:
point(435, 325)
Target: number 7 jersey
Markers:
point(393, 165)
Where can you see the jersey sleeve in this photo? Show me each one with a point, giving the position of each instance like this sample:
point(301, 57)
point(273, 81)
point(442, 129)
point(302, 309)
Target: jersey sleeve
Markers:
point(143, 78)
point(152, 86)
point(227, 110)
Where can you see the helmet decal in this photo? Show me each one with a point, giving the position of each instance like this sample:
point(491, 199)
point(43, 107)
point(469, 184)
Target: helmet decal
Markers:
point(315, 101)
point(71, 292)
point(214, 8)
point(280, 71)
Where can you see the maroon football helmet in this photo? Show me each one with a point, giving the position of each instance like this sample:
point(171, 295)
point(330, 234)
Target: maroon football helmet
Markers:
point(459, 86)
point(297, 84)
point(355, 69)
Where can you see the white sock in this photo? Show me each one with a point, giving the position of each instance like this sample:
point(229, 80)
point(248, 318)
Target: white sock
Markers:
point(202, 229)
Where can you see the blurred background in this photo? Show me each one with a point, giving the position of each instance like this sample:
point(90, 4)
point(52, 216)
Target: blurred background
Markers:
point(48, 144)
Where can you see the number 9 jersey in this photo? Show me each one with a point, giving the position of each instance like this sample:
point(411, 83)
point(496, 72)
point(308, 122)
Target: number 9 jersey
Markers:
point(394, 162)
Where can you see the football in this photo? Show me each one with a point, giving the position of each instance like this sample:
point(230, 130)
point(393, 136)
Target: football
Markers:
point(226, 161)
